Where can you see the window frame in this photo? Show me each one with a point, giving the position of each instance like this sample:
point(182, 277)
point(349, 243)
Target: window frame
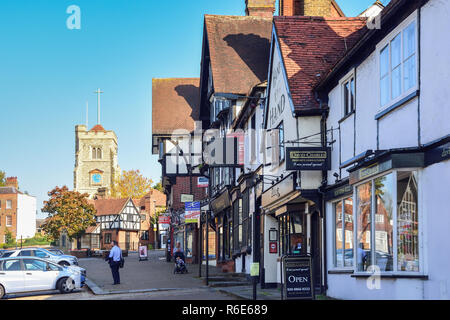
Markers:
point(386, 43)
point(346, 79)
point(343, 235)
point(422, 253)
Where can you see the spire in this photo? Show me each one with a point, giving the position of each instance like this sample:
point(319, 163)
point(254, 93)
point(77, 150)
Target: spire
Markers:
point(98, 92)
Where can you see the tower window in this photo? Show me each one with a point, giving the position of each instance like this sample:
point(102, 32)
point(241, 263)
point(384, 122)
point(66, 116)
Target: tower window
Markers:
point(96, 153)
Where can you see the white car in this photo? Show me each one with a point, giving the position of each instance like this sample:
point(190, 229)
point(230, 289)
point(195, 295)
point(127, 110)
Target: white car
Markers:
point(28, 274)
point(63, 260)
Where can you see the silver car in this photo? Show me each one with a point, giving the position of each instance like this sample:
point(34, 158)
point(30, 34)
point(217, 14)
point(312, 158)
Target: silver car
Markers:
point(28, 274)
point(63, 260)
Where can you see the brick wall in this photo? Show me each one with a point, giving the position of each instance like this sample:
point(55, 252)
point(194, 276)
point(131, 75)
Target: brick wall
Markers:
point(8, 212)
point(322, 8)
point(182, 187)
point(260, 8)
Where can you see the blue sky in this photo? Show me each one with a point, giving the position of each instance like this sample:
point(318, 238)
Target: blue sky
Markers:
point(48, 72)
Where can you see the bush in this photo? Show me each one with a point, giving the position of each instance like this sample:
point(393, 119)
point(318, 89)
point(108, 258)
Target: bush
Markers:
point(150, 247)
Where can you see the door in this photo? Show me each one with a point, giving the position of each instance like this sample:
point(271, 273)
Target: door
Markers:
point(12, 276)
point(315, 250)
point(127, 240)
point(37, 277)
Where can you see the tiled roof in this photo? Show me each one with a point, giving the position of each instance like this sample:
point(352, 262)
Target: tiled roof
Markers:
point(106, 207)
point(239, 48)
point(154, 195)
point(310, 46)
point(91, 229)
point(8, 190)
point(175, 104)
point(98, 128)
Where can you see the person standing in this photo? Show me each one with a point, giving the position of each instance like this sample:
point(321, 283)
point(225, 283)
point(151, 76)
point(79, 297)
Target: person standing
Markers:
point(114, 258)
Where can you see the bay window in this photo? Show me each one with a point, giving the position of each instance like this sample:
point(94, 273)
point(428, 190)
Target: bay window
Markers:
point(387, 224)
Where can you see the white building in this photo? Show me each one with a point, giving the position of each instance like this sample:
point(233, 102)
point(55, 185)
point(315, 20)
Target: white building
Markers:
point(386, 207)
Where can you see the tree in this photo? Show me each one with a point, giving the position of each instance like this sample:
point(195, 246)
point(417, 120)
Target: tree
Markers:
point(131, 184)
point(2, 178)
point(158, 187)
point(69, 212)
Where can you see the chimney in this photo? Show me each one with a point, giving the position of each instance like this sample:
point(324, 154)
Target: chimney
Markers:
point(316, 8)
point(12, 182)
point(102, 193)
point(260, 8)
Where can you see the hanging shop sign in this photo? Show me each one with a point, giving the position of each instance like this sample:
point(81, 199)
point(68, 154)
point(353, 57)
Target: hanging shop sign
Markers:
point(298, 278)
point(307, 159)
point(164, 220)
point(192, 212)
point(202, 182)
point(187, 197)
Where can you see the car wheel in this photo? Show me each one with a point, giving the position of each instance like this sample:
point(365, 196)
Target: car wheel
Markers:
point(64, 263)
point(2, 292)
point(66, 285)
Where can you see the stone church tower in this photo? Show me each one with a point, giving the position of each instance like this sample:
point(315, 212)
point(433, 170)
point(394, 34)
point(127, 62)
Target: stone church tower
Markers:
point(95, 160)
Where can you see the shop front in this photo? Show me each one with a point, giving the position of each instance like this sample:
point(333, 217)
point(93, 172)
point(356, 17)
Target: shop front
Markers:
point(292, 226)
point(384, 228)
point(220, 230)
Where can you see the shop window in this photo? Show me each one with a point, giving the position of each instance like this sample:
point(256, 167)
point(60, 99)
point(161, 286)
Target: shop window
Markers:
point(343, 248)
point(246, 231)
point(237, 225)
point(380, 203)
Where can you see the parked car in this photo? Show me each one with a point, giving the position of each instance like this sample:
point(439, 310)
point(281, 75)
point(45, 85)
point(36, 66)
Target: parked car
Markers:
point(28, 274)
point(63, 260)
point(56, 251)
point(6, 253)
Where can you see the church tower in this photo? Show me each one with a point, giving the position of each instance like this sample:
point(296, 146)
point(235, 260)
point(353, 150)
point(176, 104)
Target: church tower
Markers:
point(96, 164)
point(95, 160)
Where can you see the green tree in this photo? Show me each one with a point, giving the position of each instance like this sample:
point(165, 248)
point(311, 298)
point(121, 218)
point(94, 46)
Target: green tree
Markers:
point(158, 187)
point(2, 178)
point(69, 212)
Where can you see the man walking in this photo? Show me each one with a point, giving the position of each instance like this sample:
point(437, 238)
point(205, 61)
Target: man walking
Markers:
point(114, 261)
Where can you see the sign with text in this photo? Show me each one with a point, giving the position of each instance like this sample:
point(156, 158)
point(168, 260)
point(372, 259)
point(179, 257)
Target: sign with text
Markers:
point(202, 182)
point(143, 255)
point(298, 280)
point(164, 220)
point(191, 212)
point(307, 159)
point(187, 197)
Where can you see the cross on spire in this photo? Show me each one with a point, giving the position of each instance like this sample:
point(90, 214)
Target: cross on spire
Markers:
point(98, 92)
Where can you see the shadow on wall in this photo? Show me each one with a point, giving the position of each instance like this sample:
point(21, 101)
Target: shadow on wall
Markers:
point(253, 50)
point(190, 93)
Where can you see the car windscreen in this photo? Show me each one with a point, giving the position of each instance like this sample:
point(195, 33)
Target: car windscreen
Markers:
point(7, 254)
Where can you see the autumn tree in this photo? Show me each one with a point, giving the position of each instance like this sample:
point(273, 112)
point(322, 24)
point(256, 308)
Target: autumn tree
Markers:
point(2, 178)
point(131, 184)
point(69, 212)
point(158, 187)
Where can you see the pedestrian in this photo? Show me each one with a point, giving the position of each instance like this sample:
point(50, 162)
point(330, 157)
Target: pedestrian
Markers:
point(115, 257)
point(178, 248)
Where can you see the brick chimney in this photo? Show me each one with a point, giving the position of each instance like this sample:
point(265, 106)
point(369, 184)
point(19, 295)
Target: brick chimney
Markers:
point(317, 8)
point(260, 8)
point(12, 182)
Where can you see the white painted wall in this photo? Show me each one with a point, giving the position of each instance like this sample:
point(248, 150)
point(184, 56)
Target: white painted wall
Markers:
point(270, 259)
point(400, 129)
point(435, 71)
point(26, 216)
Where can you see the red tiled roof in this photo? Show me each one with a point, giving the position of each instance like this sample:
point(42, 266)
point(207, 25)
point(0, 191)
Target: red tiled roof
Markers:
point(91, 229)
point(98, 128)
point(310, 46)
point(108, 206)
point(239, 48)
point(175, 104)
point(154, 195)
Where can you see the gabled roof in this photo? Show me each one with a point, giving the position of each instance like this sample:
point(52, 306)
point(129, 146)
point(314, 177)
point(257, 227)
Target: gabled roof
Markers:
point(175, 104)
point(239, 48)
point(310, 46)
point(156, 195)
point(106, 207)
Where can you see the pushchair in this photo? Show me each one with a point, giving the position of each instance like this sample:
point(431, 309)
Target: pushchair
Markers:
point(180, 265)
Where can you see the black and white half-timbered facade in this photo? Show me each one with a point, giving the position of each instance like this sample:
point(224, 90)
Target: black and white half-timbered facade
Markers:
point(118, 219)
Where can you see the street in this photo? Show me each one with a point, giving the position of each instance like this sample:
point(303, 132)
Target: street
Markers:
point(145, 280)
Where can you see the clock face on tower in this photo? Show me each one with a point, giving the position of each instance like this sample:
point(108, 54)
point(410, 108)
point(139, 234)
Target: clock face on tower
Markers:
point(96, 178)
